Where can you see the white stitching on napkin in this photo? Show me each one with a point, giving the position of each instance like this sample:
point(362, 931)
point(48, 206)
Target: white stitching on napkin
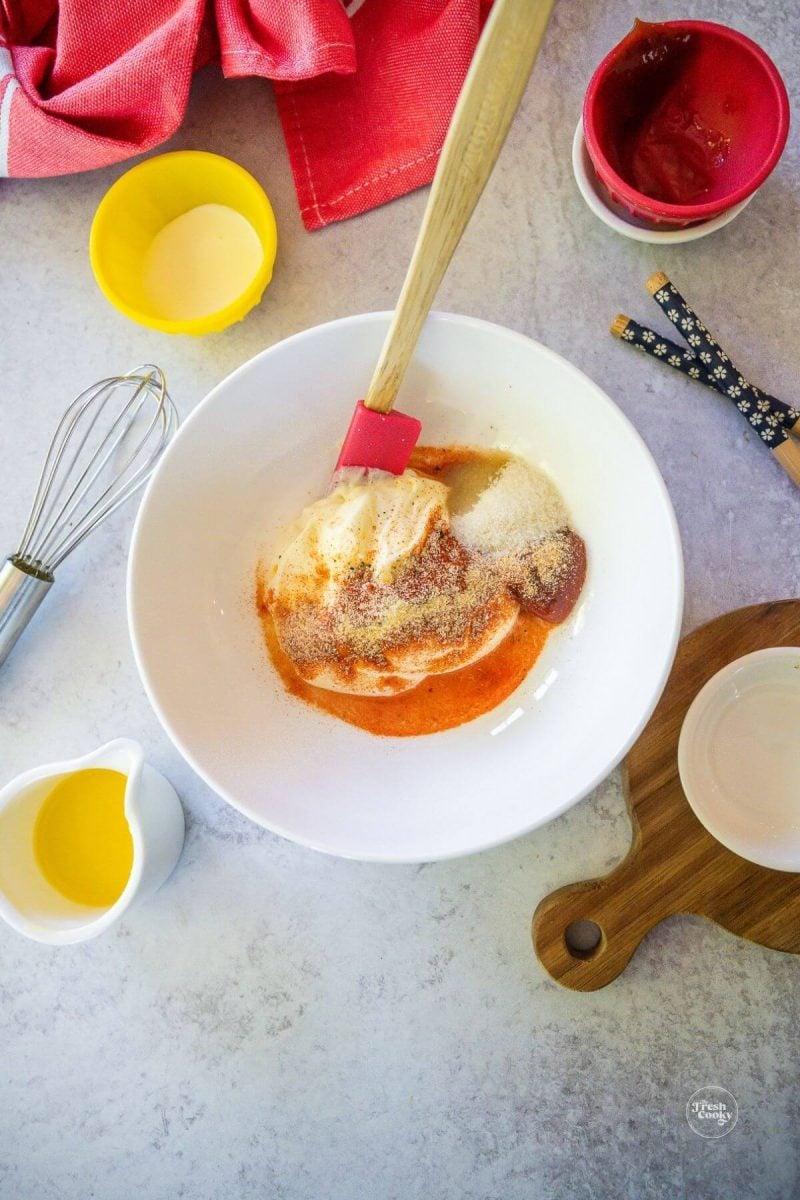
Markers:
point(375, 179)
point(309, 177)
point(6, 69)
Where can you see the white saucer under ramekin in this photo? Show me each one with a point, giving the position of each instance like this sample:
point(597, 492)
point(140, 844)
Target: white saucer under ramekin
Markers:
point(738, 757)
point(617, 218)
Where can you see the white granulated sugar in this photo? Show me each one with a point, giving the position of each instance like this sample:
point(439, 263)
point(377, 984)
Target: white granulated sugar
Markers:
point(520, 506)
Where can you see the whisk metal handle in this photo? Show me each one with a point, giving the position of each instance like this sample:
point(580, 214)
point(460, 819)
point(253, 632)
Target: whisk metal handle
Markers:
point(23, 587)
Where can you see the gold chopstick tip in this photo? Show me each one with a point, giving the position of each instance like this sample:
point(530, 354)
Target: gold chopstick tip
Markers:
point(656, 282)
point(619, 324)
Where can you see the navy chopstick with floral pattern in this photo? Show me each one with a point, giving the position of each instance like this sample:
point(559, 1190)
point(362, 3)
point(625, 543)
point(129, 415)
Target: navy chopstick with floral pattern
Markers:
point(753, 404)
point(706, 362)
point(727, 379)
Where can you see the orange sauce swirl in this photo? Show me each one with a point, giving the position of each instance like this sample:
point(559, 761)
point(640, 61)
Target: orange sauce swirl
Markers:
point(440, 701)
point(450, 699)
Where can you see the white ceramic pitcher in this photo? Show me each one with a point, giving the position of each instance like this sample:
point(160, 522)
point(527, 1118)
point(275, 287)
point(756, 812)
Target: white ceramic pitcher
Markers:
point(28, 903)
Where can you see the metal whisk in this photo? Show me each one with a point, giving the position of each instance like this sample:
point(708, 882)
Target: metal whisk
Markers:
point(104, 449)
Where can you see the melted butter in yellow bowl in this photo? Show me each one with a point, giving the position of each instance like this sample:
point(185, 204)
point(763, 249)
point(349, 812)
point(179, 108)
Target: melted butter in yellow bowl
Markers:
point(81, 839)
point(184, 243)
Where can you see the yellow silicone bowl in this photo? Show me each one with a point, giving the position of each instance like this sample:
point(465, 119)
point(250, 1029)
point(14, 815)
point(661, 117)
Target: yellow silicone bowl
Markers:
point(147, 198)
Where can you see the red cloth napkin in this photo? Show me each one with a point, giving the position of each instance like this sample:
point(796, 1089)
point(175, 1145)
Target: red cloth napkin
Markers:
point(365, 90)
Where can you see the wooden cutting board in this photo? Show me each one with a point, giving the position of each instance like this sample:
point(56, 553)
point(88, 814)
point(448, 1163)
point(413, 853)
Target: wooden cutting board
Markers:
point(674, 865)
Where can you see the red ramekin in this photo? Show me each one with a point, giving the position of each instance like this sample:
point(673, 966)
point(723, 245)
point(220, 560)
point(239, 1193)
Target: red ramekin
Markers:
point(749, 104)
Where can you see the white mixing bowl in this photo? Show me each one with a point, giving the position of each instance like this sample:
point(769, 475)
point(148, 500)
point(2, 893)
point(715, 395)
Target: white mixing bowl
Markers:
point(260, 447)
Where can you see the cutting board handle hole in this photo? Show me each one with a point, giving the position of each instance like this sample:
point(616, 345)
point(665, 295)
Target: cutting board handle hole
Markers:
point(583, 938)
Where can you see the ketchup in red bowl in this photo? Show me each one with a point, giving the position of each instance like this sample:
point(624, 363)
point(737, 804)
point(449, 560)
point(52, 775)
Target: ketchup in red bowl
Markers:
point(684, 119)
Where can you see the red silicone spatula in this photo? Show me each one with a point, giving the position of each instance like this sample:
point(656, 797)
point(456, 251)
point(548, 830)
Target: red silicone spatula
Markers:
point(379, 437)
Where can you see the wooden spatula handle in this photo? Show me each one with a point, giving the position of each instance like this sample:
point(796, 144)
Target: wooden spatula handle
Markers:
point(489, 98)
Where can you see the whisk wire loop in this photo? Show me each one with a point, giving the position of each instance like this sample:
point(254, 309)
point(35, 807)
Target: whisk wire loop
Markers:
point(50, 543)
point(102, 452)
point(44, 499)
point(79, 488)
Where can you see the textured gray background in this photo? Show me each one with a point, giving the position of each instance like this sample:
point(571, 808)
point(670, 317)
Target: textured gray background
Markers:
point(279, 1024)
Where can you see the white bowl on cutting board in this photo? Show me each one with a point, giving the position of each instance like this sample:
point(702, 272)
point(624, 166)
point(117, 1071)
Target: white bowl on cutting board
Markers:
point(738, 760)
point(259, 448)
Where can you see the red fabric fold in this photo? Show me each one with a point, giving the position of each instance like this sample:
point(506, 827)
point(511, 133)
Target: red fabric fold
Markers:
point(284, 41)
point(358, 141)
point(365, 90)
